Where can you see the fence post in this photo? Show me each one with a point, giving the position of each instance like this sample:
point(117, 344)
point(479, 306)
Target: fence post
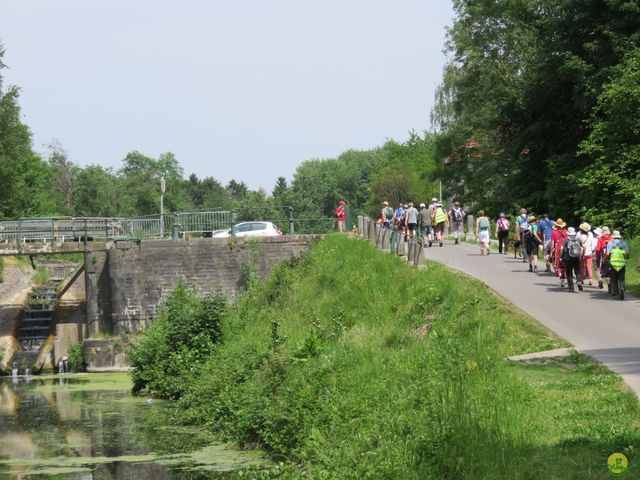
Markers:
point(20, 236)
point(53, 231)
point(174, 227)
point(401, 245)
point(393, 248)
point(372, 232)
point(291, 225)
point(360, 225)
point(386, 233)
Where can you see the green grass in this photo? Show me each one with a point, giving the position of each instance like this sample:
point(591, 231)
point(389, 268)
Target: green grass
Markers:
point(351, 364)
point(633, 268)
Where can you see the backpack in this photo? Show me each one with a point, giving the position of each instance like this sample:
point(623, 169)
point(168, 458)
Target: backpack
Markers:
point(388, 213)
point(574, 248)
point(503, 224)
point(526, 231)
point(457, 214)
point(483, 222)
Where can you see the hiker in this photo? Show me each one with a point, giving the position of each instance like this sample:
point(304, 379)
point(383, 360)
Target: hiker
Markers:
point(602, 262)
point(456, 220)
point(546, 228)
point(482, 232)
point(341, 213)
point(411, 221)
point(618, 253)
point(571, 253)
point(387, 215)
point(439, 221)
point(557, 237)
point(522, 224)
point(530, 234)
point(585, 237)
point(424, 222)
point(398, 217)
point(502, 233)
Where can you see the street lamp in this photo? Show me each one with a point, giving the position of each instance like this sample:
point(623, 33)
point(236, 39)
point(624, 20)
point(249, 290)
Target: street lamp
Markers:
point(162, 189)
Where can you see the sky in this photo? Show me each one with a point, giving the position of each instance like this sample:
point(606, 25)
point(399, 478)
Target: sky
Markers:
point(244, 89)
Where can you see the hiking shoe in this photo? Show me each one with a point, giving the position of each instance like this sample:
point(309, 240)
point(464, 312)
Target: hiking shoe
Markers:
point(457, 241)
point(430, 243)
point(530, 268)
point(488, 252)
point(562, 283)
point(600, 284)
point(535, 269)
point(572, 290)
point(441, 243)
point(580, 287)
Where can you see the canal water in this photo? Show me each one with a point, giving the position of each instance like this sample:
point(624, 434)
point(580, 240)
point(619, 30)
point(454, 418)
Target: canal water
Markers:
point(90, 427)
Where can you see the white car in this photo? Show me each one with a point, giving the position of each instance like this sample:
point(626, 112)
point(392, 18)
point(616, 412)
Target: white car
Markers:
point(249, 229)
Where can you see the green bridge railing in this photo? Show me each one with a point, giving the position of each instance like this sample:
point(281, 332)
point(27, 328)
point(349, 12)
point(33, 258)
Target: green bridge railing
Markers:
point(173, 225)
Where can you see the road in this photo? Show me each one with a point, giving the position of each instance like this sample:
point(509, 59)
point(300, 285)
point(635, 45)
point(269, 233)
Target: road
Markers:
point(603, 328)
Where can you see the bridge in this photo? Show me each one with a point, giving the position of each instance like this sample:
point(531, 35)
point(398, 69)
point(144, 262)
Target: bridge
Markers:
point(47, 235)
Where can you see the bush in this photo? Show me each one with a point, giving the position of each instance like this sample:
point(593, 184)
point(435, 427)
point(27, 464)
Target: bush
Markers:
point(75, 356)
point(183, 333)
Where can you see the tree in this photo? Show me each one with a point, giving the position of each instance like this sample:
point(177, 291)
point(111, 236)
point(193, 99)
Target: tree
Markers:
point(237, 190)
point(280, 187)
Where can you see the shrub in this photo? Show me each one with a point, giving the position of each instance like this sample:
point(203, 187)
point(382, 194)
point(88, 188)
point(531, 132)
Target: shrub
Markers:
point(75, 356)
point(185, 330)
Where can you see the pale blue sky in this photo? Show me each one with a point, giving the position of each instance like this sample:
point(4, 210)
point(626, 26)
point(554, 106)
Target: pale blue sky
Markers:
point(244, 89)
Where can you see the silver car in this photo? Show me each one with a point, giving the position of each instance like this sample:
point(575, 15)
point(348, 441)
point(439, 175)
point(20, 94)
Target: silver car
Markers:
point(249, 229)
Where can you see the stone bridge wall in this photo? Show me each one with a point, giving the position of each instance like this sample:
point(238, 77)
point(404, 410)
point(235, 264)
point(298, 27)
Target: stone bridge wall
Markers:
point(125, 284)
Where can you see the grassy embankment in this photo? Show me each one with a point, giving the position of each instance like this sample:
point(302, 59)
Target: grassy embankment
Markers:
point(352, 364)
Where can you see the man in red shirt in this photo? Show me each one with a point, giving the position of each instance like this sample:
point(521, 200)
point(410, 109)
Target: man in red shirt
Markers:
point(341, 214)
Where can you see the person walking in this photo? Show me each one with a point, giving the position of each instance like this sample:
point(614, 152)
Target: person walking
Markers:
point(482, 232)
point(502, 233)
point(522, 224)
point(571, 253)
point(557, 238)
point(585, 237)
point(341, 213)
point(456, 220)
point(387, 215)
point(439, 221)
point(424, 222)
point(618, 253)
point(532, 242)
point(546, 230)
point(411, 221)
point(398, 217)
point(602, 262)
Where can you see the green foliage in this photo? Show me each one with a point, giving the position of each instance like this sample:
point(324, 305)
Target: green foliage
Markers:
point(75, 356)
point(524, 78)
point(185, 330)
point(355, 365)
point(41, 276)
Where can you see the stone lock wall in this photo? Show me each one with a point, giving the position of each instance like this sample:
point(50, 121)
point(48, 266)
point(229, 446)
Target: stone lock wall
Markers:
point(126, 283)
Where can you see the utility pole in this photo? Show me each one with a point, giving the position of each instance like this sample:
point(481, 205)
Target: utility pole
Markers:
point(440, 183)
point(162, 189)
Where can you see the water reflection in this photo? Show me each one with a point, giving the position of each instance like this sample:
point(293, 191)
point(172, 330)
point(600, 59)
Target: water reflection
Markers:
point(91, 427)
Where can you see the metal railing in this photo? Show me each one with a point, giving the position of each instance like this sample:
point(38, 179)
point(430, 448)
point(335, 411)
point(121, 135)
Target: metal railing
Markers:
point(173, 225)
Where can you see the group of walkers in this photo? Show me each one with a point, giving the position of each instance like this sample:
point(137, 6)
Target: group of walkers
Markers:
point(427, 222)
point(576, 256)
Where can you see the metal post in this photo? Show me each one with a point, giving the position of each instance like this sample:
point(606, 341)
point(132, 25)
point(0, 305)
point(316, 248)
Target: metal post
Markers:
point(440, 183)
point(19, 236)
point(162, 189)
point(291, 226)
point(53, 231)
point(174, 227)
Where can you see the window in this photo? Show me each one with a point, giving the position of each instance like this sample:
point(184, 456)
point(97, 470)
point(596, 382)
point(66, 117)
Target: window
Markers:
point(258, 226)
point(243, 227)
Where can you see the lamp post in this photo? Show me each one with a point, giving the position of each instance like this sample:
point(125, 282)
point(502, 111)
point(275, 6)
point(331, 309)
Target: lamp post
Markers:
point(162, 189)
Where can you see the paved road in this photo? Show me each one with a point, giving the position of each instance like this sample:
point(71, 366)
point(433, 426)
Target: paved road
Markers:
point(606, 329)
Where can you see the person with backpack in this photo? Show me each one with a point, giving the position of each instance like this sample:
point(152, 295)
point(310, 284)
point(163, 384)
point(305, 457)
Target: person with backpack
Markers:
point(602, 262)
point(571, 254)
point(545, 226)
point(456, 220)
point(439, 221)
point(531, 236)
point(387, 215)
point(502, 233)
point(424, 222)
point(585, 237)
point(482, 233)
point(398, 217)
point(618, 253)
point(522, 224)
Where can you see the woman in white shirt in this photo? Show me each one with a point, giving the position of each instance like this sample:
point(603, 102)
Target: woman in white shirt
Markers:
point(585, 237)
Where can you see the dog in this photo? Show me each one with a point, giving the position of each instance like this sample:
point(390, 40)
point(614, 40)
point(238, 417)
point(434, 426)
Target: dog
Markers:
point(516, 245)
